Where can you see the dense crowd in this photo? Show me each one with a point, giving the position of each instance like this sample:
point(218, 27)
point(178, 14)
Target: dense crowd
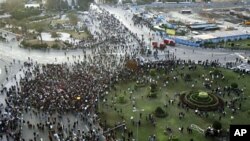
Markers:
point(59, 100)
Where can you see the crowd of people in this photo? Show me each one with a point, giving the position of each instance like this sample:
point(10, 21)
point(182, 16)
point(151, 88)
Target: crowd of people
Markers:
point(60, 101)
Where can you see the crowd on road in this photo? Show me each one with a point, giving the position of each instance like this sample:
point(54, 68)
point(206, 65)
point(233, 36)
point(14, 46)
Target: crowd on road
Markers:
point(48, 95)
point(60, 101)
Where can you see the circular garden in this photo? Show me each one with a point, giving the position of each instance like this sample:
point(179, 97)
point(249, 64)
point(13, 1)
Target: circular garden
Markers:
point(202, 100)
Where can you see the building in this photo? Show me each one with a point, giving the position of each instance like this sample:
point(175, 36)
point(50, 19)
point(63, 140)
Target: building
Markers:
point(186, 12)
point(205, 26)
point(216, 37)
point(34, 5)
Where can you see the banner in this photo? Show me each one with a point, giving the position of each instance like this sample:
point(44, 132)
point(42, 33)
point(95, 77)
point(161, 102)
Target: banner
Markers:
point(170, 31)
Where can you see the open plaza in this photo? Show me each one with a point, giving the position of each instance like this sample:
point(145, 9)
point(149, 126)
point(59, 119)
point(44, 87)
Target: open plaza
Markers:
point(123, 70)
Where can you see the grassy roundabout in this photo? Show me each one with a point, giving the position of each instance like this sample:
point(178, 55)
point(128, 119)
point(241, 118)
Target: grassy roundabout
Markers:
point(202, 101)
point(135, 90)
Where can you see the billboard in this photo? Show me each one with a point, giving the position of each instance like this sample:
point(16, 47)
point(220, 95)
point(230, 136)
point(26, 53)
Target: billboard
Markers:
point(170, 31)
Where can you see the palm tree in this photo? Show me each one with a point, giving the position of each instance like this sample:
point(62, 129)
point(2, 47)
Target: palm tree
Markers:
point(39, 27)
point(40, 30)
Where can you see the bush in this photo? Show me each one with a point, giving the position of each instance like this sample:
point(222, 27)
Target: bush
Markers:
point(25, 44)
point(121, 99)
point(216, 72)
point(34, 46)
point(37, 18)
point(210, 103)
point(187, 77)
point(20, 14)
point(203, 94)
point(153, 72)
point(39, 46)
point(234, 85)
point(132, 65)
point(153, 87)
point(68, 44)
point(55, 46)
point(160, 113)
point(217, 125)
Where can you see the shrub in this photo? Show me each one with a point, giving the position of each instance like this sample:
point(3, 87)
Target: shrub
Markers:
point(55, 46)
point(203, 94)
point(160, 113)
point(209, 103)
point(132, 65)
point(25, 44)
point(153, 72)
point(234, 85)
point(68, 44)
point(217, 125)
point(216, 72)
point(153, 87)
point(24, 13)
point(39, 46)
point(187, 77)
point(121, 99)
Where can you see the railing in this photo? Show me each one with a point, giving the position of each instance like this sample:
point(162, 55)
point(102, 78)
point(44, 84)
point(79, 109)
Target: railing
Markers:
point(197, 128)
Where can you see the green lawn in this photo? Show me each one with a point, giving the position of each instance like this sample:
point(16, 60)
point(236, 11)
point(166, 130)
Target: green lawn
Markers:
point(241, 44)
point(76, 35)
point(244, 44)
point(166, 93)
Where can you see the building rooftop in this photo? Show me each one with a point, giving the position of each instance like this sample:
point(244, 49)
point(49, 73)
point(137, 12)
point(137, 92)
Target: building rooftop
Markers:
point(220, 34)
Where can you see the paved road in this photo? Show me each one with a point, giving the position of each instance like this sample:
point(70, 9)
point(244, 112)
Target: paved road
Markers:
point(10, 51)
point(198, 5)
point(182, 52)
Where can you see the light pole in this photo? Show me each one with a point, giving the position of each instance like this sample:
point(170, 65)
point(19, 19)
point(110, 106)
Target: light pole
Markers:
point(137, 110)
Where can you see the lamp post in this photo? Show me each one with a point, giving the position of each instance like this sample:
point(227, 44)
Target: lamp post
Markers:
point(137, 110)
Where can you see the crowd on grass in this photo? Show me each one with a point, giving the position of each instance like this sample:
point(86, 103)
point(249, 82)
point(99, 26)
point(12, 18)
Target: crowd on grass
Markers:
point(58, 100)
point(233, 97)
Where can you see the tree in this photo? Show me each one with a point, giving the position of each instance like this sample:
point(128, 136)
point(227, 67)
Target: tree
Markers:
point(153, 72)
point(232, 44)
point(159, 112)
point(84, 4)
point(217, 125)
point(39, 27)
point(12, 5)
point(234, 85)
point(53, 4)
point(153, 87)
point(121, 99)
point(23, 25)
point(132, 65)
point(216, 72)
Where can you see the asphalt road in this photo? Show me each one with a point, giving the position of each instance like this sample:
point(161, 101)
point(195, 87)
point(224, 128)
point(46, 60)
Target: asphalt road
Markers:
point(182, 52)
point(10, 51)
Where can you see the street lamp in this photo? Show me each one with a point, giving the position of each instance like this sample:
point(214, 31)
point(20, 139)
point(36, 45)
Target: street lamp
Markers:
point(137, 110)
